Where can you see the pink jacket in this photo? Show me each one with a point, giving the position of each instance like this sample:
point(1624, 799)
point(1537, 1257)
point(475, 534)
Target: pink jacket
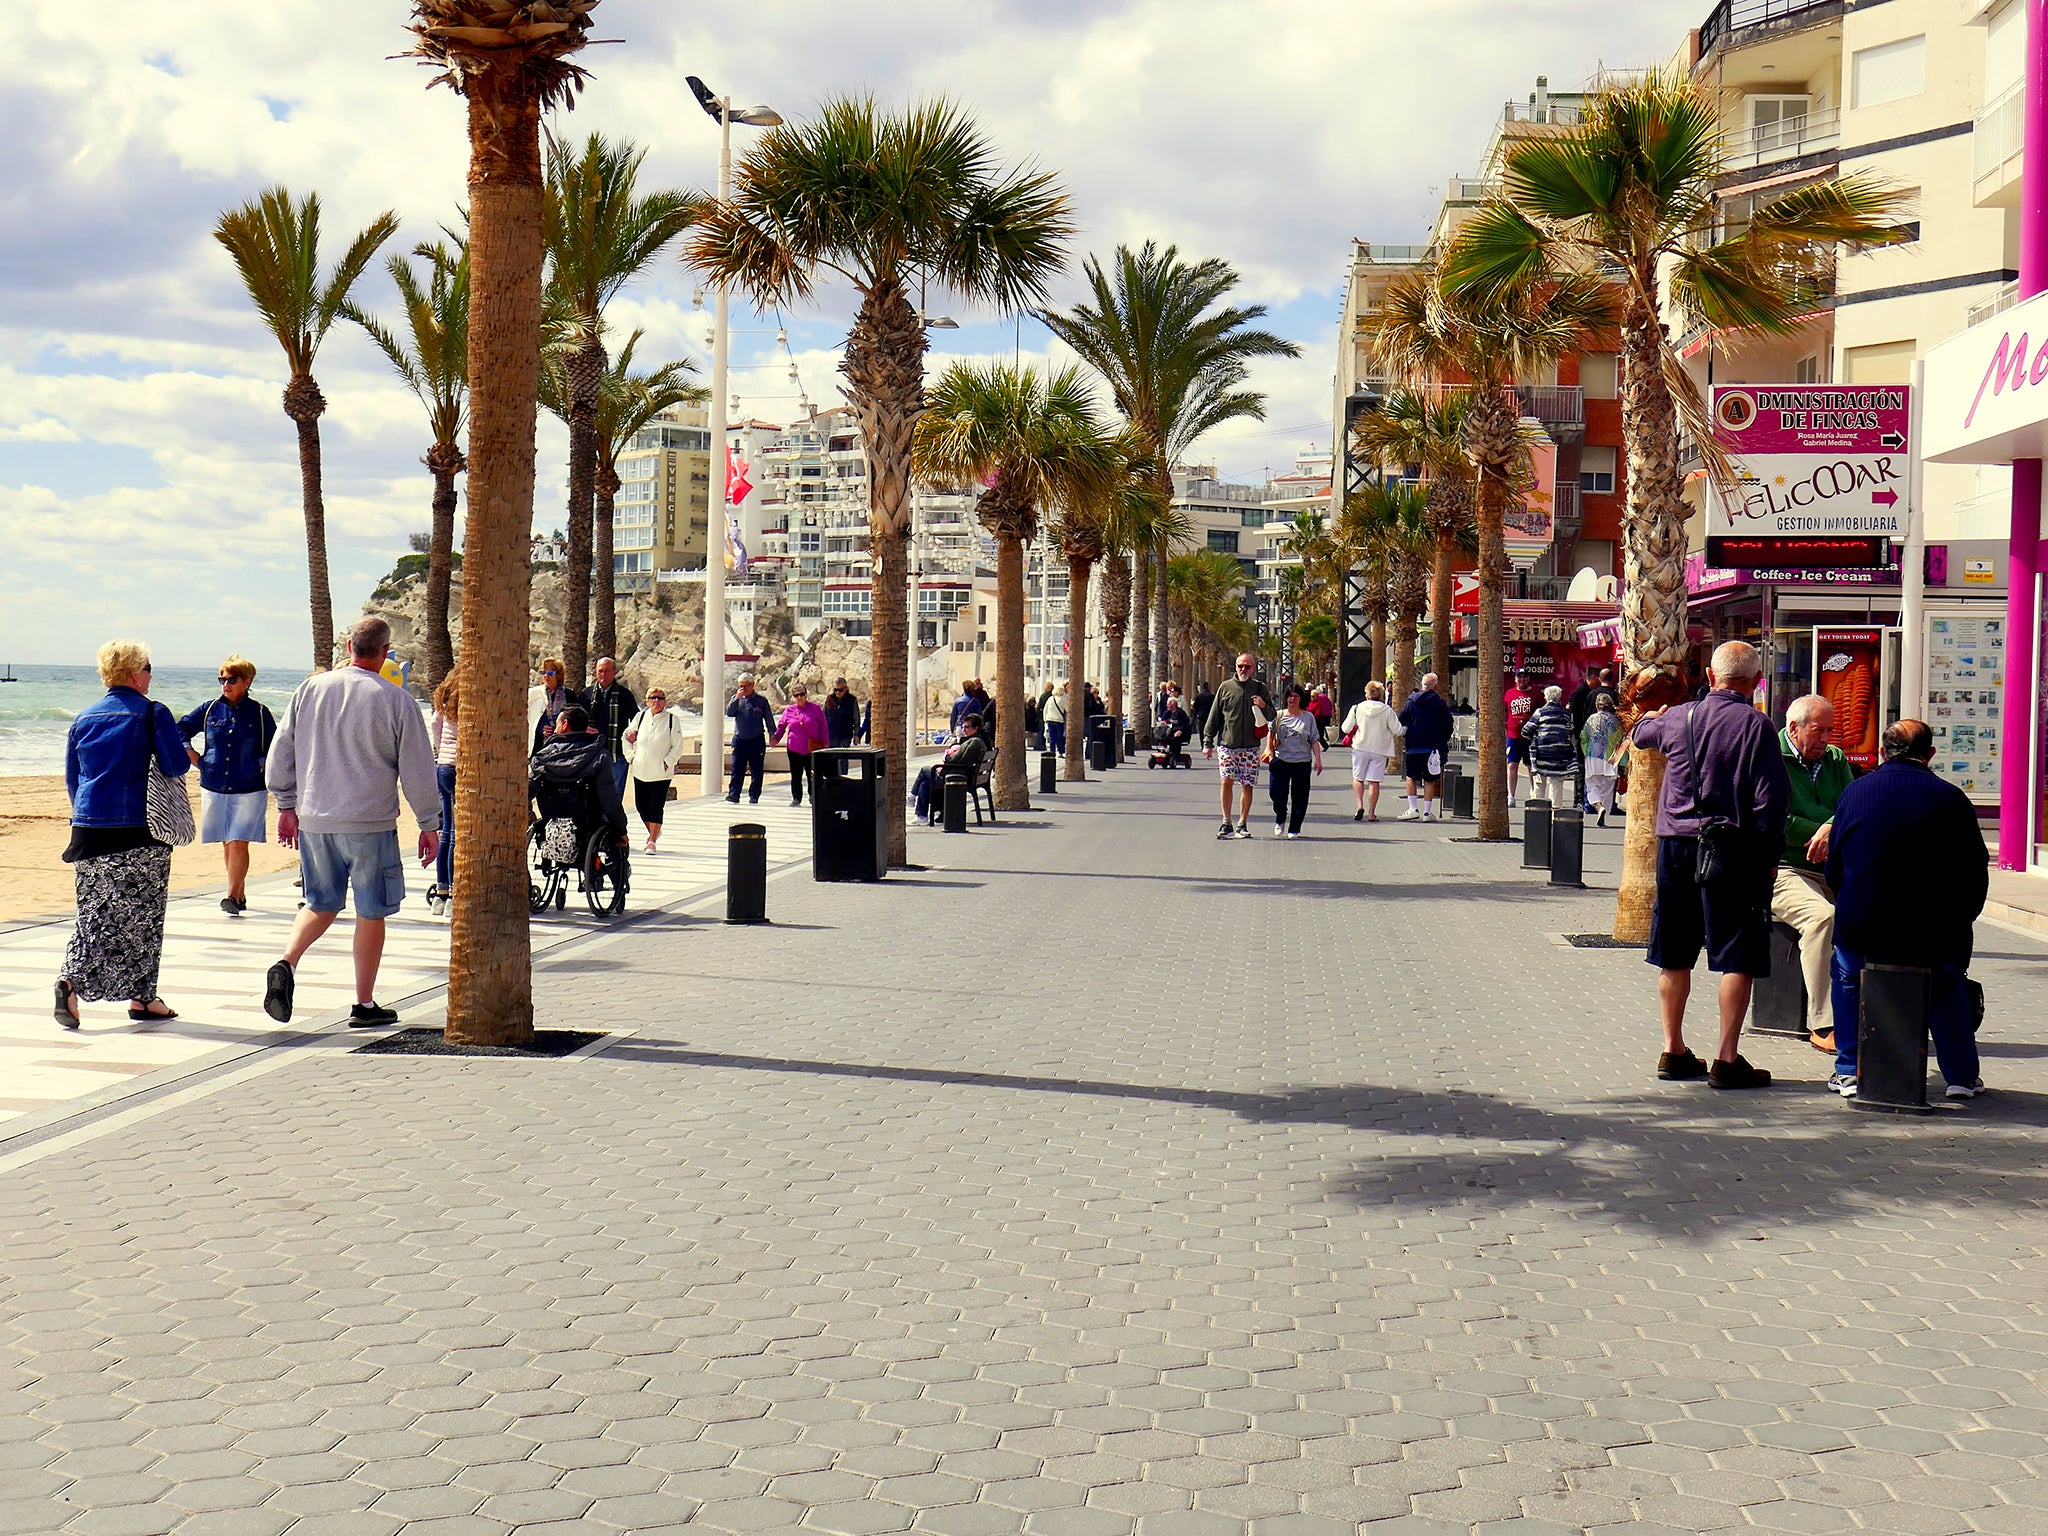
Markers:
point(802, 727)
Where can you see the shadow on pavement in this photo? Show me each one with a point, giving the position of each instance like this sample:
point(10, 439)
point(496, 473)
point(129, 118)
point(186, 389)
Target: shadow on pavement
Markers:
point(1449, 887)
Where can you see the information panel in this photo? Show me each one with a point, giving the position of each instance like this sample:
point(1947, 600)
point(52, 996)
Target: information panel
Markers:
point(1965, 691)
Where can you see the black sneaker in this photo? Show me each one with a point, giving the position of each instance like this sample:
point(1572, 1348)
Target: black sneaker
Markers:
point(1677, 1066)
point(1358, 815)
point(1228, 829)
point(1244, 829)
point(370, 1016)
point(1737, 1074)
point(278, 984)
point(234, 906)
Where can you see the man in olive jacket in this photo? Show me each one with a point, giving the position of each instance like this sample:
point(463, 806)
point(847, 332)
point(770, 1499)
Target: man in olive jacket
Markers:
point(1800, 896)
point(1230, 725)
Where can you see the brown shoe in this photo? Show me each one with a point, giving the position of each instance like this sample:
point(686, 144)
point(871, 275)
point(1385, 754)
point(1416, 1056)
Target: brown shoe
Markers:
point(1822, 1040)
point(1737, 1074)
point(1677, 1066)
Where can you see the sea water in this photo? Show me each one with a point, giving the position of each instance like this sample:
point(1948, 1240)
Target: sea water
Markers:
point(36, 711)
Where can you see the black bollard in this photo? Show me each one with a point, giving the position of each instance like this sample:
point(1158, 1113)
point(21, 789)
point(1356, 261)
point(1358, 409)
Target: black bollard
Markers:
point(1100, 753)
point(1536, 834)
point(956, 804)
point(1048, 773)
point(746, 873)
point(1447, 792)
point(1568, 847)
point(1891, 1039)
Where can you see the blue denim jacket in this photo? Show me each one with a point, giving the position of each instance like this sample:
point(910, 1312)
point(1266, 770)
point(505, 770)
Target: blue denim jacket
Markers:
point(106, 758)
point(237, 741)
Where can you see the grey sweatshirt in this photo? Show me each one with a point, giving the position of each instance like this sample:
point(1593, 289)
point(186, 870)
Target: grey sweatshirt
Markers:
point(348, 741)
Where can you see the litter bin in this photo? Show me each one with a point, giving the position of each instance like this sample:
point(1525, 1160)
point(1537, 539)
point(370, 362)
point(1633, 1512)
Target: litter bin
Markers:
point(1462, 800)
point(1536, 834)
point(1891, 1039)
point(1453, 777)
point(1101, 745)
point(1777, 1002)
point(849, 821)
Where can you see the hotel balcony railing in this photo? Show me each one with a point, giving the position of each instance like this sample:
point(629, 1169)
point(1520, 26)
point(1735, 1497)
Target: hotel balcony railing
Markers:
point(1736, 22)
point(1809, 133)
point(1999, 302)
point(1568, 111)
point(1996, 134)
point(1468, 189)
point(1555, 405)
point(1390, 255)
point(1567, 515)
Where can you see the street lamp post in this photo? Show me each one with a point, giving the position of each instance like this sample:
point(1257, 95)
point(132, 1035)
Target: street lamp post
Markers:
point(712, 754)
point(915, 699)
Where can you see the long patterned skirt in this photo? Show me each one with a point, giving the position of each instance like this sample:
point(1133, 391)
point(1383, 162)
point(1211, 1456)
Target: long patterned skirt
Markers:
point(118, 941)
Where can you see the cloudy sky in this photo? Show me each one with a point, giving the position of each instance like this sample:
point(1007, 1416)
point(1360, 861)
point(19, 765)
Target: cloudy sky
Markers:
point(148, 478)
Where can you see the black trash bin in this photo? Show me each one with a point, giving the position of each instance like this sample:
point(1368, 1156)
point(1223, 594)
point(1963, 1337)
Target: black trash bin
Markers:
point(849, 820)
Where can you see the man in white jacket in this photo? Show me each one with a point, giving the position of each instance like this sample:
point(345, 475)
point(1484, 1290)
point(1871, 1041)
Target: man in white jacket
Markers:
point(1374, 732)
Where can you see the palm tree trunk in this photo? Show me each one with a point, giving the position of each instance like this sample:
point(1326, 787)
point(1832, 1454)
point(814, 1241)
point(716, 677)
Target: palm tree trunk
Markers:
point(1653, 614)
point(1076, 768)
point(885, 367)
point(1494, 490)
point(1379, 646)
point(1012, 788)
point(1141, 643)
point(1405, 625)
point(604, 620)
point(1116, 618)
point(304, 403)
point(445, 461)
point(1161, 628)
point(1440, 608)
point(490, 972)
point(586, 376)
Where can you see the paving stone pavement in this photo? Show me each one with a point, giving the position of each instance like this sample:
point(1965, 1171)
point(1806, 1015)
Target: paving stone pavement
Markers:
point(1100, 1178)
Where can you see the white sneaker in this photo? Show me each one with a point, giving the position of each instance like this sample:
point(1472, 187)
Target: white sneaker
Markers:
point(1965, 1090)
point(1409, 816)
point(1294, 837)
point(1279, 831)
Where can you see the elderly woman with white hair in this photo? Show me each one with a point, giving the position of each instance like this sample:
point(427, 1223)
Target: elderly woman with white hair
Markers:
point(1552, 746)
point(122, 862)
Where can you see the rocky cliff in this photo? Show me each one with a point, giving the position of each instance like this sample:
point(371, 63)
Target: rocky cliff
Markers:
point(661, 639)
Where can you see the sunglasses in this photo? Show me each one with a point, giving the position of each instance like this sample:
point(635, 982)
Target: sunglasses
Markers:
point(657, 698)
point(550, 672)
point(224, 679)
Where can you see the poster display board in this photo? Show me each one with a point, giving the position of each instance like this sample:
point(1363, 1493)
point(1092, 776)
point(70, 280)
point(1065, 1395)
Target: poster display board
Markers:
point(1816, 462)
point(1965, 693)
point(1848, 671)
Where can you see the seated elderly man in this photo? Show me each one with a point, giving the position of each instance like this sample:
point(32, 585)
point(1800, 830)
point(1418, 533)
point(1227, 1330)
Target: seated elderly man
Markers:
point(1800, 897)
point(963, 760)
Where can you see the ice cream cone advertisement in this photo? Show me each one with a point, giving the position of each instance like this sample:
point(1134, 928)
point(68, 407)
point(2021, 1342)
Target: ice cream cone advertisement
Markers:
point(1848, 666)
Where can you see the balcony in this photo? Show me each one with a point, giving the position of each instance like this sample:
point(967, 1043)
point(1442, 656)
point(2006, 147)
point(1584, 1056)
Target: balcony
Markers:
point(1568, 516)
point(1468, 189)
point(1560, 407)
point(1565, 112)
point(1790, 138)
point(1736, 23)
point(1996, 137)
point(1999, 302)
point(1389, 255)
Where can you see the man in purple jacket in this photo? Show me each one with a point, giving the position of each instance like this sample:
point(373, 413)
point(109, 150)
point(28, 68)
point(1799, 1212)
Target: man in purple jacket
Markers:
point(1725, 778)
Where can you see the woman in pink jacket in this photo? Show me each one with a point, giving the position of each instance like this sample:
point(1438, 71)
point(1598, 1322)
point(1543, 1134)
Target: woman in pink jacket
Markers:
point(801, 731)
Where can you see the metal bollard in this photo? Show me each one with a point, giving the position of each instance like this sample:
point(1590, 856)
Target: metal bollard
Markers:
point(1536, 834)
point(1891, 1039)
point(1048, 773)
point(955, 791)
point(746, 873)
point(1568, 847)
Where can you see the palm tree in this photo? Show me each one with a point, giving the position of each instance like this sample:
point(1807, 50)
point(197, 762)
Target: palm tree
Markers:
point(1033, 443)
point(1490, 339)
point(1631, 192)
point(1079, 537)
point(432, 357)
point(274, 242)
point(601, 233)
point(1410, 548)
point(509, 61)
point(894, 204)
point(1360, 539)
point(1423, 429)
point(626, 402)
point(1202, 587)
point(1173, 361)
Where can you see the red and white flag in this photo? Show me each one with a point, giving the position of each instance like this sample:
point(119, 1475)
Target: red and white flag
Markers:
point(737, 485)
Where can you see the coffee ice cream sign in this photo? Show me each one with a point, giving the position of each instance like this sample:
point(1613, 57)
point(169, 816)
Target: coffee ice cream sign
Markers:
point(1987, 390)
point(1812, 461)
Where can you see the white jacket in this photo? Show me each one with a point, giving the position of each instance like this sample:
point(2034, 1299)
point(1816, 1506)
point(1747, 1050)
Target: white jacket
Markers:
point(1373, 727)
point(657, 746)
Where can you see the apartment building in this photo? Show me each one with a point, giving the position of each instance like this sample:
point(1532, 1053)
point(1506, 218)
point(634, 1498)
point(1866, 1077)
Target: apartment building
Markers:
point(659, 518)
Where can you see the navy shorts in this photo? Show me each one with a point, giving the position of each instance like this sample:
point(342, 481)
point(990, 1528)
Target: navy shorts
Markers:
point(1516, 750)
point(1417, 766)
point(1730, 919)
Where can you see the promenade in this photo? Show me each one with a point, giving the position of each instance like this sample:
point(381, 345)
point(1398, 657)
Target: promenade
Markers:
point(1097, 1179)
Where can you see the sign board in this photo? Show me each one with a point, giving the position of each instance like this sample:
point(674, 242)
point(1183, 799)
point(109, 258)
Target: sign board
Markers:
point(1530, 526)
point(1816, 461)
point(1964, 687)
point(1987, 390)
point(1979, 573)
point(1848, 671)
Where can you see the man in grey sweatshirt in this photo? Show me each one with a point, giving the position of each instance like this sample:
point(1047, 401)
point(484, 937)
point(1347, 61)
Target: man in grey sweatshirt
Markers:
point(349, 741)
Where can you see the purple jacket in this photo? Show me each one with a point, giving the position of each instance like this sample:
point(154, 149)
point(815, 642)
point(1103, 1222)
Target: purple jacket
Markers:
point(1741, 774)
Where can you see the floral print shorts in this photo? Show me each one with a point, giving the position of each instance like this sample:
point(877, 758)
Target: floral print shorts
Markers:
point(1239, 763)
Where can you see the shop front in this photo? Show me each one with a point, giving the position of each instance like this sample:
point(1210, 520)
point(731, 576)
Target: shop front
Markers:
point(1549, 642)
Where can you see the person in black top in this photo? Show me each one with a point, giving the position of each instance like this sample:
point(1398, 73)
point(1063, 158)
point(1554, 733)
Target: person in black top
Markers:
point(611, 707)
point(842, 715)
point(570, 776)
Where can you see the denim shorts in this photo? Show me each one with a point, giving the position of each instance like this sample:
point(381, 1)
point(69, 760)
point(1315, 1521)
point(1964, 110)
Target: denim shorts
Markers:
point(331, 863)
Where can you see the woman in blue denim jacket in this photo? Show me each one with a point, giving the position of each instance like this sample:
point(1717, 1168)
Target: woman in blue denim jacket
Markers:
point(123, 873)
point(233, 803)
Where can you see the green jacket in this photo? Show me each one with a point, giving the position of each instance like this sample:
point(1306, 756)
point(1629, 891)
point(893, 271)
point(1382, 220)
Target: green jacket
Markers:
point(1230, 717)
point(1814, 798)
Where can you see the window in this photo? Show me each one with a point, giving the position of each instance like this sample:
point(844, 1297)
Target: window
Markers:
point(1596, 471)
point(1734, 217)
point(981, 613)
point(1224, 539)
point(1777, 123)
point(809, 541)
point(1884, 362)
point(1600, 375)
point(1807, 371)
point(1888, 72)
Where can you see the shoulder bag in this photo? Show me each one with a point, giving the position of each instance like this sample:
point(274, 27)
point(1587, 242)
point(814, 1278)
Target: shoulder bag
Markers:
point(166, 806)
point(1723, 853)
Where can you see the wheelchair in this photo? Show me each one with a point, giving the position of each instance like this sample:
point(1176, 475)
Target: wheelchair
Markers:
point(557, 851)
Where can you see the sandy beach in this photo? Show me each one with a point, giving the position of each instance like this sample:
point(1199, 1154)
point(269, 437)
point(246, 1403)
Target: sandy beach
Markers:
point(35, 824)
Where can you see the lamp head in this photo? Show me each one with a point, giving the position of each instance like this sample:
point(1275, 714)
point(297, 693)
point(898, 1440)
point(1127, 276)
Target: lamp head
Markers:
point(939, 322)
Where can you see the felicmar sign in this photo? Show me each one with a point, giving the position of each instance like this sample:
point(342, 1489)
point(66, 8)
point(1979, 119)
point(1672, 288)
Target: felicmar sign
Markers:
point(1987, 390)
point(1814, 460)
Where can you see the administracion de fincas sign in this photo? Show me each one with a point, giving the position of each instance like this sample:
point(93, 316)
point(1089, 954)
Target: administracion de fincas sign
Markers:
point(1813, 460)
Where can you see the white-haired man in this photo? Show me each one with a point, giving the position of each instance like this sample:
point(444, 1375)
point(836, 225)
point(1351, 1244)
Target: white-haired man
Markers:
point(1720, 826)
point(1818, 773)
point(1551, 748)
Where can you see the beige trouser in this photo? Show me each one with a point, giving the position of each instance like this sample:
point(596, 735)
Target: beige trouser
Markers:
point(1800, 898)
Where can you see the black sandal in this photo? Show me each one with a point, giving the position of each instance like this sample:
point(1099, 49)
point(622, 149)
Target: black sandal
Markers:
point(144, 1015)
point(66, 996)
